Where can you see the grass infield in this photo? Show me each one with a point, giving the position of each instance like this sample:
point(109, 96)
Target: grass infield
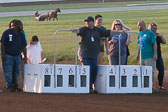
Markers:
point(65, 45)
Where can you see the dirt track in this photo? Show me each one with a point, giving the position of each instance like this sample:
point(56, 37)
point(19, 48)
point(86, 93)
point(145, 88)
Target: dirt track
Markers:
point(28, 102)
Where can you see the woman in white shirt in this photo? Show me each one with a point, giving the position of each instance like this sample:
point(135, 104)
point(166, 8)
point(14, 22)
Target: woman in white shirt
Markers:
point(34, 50)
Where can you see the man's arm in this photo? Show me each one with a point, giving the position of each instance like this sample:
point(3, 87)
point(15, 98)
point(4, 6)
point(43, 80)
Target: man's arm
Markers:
point(138, 57)
point(75, 31)
point(128, 41)
point(3, 55)
point(163, 40)
point(155, 51)
point(25, 54)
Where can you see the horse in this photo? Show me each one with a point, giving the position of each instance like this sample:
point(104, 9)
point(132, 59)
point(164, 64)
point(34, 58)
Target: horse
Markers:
point(53, 14)
point(47, 16)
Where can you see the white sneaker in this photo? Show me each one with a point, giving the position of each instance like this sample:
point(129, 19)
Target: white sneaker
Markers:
point(162, 88)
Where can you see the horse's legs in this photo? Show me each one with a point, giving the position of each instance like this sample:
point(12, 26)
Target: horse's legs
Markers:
point(49, 18)
point(57, 18)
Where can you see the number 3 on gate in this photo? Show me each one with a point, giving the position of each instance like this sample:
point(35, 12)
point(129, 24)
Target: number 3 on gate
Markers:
point(123, 71)
point(135, 71)
point(84, 71)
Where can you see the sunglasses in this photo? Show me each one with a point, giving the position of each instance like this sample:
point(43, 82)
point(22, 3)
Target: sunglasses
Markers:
point(117, 24)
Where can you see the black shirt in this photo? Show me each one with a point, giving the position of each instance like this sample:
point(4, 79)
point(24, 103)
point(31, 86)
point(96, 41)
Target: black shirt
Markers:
point(13, 42)
point(159, 40)
point(102, 39)
point(90, 42)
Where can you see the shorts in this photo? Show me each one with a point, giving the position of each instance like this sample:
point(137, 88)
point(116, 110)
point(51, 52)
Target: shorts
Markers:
point(149, 62)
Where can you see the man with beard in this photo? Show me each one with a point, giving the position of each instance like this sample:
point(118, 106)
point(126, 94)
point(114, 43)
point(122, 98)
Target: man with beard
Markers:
point(13, 42)
point(147, 46)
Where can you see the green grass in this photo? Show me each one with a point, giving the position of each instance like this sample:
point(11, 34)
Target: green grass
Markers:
point(65, 45)
point(73, 6)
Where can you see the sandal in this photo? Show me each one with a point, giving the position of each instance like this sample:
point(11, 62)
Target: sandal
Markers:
point(162, 88)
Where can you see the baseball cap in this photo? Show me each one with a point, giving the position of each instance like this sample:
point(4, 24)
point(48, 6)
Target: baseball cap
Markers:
point(89, 18)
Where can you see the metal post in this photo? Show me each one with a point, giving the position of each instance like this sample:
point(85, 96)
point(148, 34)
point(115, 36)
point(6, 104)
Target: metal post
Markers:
point(76, 61)
point(119, 59)
point(140, 59)
point(55, 53)
point(55, 59)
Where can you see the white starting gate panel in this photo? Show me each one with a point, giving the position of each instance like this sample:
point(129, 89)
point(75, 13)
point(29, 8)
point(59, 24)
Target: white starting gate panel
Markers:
point(124, 79)
point(47, 78)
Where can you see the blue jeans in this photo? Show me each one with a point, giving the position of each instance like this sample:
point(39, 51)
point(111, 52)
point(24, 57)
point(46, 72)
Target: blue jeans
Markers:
point(92, 62)
point(160, 67)
point(11, 68)
point(114, 60)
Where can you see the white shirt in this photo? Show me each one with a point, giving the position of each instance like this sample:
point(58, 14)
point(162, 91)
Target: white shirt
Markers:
point(34, 53)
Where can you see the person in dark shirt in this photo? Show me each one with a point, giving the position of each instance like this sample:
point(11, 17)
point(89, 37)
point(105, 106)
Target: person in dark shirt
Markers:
point(103, 41)
point(12, 44)
point(90, 46)
point(159, 62)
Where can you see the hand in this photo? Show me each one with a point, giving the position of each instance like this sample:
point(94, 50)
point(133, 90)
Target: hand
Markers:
point(158, 34)
point(154, 57)
point(124, 31)
point(113, 41)
point(28, 61)
point(109, 42)
point(75, 30)
point(25, 60)
point(4, 57)
point(107, 52)
point(80, 59)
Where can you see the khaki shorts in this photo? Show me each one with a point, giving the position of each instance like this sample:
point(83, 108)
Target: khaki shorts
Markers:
point(149, 62)
point(101, 58)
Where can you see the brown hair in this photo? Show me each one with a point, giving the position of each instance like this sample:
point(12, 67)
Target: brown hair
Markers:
point(34, 38)
point(17, 24)
point(98, 16)
point(152, 24)
point(11, 23)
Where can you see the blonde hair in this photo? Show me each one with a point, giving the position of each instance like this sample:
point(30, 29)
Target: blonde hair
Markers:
point(152, 24)
point(123, 26)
